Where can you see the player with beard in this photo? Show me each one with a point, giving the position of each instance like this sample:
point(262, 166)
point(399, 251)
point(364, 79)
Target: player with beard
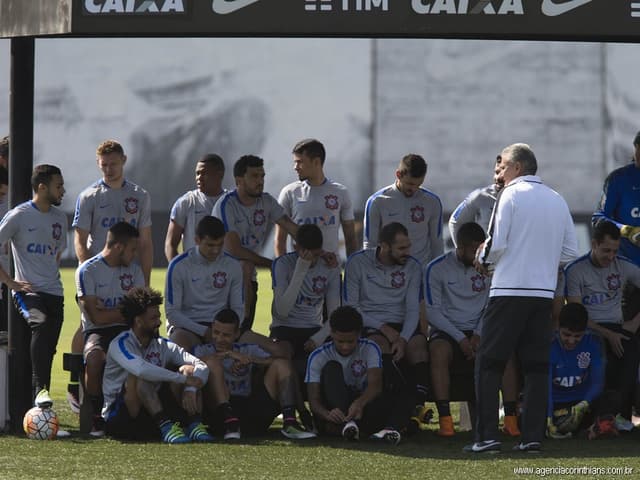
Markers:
point(151, 386)
point(315, 199)
point(248, 214)
point(194, 205)
point(383, 284)
point(37, 233)
point(418, 209)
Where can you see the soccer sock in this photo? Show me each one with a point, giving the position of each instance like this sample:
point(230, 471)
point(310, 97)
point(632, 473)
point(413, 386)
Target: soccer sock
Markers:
point(510, 408)
point(443, 408)
point(289, 414)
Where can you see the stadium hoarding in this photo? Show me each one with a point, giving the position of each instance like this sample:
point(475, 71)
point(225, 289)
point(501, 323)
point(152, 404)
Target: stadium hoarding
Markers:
point(585, 20)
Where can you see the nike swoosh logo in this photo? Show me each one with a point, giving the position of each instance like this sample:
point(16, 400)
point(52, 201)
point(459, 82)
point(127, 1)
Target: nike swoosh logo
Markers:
point(451, 283)
point(224, 7)
point(195, 279)
point(105, 206)
point(393, 214)
point(552, 9)
point(33, 229)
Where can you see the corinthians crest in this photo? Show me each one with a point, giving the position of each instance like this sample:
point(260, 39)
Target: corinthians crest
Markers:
point(56, 231)
point(131, 205)
point(219, 279)
point(258, 217)
point(397, 279)
point(331, 202)
point(417, 214)
point(613, 281)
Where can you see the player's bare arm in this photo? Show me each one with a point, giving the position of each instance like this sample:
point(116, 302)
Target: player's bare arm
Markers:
point(350, 238)
point(172, 240)
point(145, 248)
point(374, 388)
point(80, 239)
point(97, 313)
point(234, 247)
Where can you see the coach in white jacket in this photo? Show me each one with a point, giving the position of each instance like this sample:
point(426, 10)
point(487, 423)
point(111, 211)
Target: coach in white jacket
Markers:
point(531, 234)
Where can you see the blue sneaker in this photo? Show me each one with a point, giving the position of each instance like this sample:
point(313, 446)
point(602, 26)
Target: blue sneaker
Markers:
point(172, 432)
point(198, 432)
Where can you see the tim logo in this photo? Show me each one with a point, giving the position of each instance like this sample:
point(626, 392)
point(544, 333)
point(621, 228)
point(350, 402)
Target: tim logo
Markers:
point(477, 283)
point(126, 281)
point(56, 231)
point(331, 202)
point(319, 285)
point(358, 368)
point(584, 360)
point(258, 218)
point(134, 7)
point(613, 281)
point(131, 205)
point(219, 279)
point(153, 358)
point(417, 214)
point(397, 279)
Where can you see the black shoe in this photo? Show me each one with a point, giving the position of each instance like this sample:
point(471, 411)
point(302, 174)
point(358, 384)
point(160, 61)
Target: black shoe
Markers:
point(486, 446)
point(529, 447)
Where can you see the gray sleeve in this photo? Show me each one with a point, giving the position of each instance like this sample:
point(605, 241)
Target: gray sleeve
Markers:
point(139, 367)
point(179, 212)
point(173, 305)
point(179, 356)
point(434, 282)
point(83, 215)
point(284, 199)
point(465, 212)
point(8, 227)
point(435, 231)
point(372, 222)
point(346, 211)
point(145, 211)
point(412, 303)
point(277, 212)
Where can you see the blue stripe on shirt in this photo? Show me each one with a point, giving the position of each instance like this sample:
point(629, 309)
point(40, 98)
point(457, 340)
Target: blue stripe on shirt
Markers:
point(172, 265)
point(426, 277)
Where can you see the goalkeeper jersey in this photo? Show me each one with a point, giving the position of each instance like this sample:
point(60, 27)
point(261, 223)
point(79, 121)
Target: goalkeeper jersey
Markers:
point(575, 375)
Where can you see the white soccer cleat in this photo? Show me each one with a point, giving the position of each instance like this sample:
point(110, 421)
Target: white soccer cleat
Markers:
point(43, 399)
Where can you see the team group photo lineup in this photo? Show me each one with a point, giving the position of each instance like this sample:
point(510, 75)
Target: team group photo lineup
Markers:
point(376, 317)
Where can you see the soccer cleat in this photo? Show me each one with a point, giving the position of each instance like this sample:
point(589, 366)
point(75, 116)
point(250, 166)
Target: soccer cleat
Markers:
point(97, 427)
point(510, 427)
point(294, 431)
point(231, 429)
point(198, 432)
point(529, 447)
point(622, 424)
point(43, 399)
point(388, 435)
point(486, 446)
point(172, 433)
point(307, 421)
point(74, 403)
point(446, 426)
point(351, 431)
point(604, 426)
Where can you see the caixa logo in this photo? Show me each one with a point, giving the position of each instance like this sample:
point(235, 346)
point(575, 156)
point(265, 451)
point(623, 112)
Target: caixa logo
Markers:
point(134, 7)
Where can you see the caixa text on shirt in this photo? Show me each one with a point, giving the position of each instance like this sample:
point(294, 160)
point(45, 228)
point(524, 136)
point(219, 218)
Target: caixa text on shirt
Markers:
point(108, 222)
point(43, 248)
point(134, 7)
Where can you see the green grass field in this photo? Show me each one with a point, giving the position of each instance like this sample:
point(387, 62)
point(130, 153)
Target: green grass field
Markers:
point(422, 456)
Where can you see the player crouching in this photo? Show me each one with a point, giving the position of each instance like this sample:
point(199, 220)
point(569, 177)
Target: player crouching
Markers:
point(144, 395)
point(247, 399)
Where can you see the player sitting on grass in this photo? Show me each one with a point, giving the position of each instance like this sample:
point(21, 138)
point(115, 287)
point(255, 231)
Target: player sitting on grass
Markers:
point(144, 395)
point(345, 384)
point(576, 374)
point(247, 398)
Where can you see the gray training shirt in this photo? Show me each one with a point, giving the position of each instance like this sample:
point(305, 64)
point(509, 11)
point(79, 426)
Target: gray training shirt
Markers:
point(455, 296)
point(600, 289)
point(95, 278)
point(197, 289)
point(99, 207)
point(326, 205)
point(187, 212)
point(421, 214)
point(477, 207)
point(383, 294)
point(37, 238)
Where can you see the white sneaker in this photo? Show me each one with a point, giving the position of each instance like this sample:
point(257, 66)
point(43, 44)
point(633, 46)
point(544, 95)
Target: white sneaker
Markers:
point(389, 435)
point(63, 434)
point(43, 399)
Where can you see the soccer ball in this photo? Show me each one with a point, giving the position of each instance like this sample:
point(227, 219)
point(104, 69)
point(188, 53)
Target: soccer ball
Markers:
point(40, 423)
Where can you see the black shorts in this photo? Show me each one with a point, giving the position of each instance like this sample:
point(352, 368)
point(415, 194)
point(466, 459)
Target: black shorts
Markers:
point(120, 424)
point(370, 331)
point(100, 339)
point(458, 357)
point(295, 336)
point(257, 411)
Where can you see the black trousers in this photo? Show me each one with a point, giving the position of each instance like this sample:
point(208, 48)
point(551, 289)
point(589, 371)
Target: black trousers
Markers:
point(44, 314)
point(523, 325)
point(392, 408)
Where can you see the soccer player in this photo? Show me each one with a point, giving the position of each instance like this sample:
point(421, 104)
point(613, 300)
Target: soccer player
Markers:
point(201, 282)
point(316, 199)
point(101, 282)
point(108, 201)
point(302, 284)
point(4, 253)
point(455, 298)
point(345, 384)
point(383, 283)
point(576, 373)
point(37, 232)
point(144, 396)
point(477, 206)
point(418, 209)
point(596, 280)
point(245, 402)
point(248, 213)
point(530, 235)
point(191, 207)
